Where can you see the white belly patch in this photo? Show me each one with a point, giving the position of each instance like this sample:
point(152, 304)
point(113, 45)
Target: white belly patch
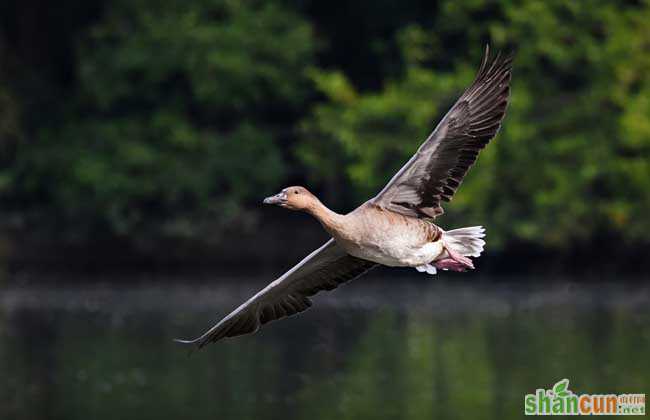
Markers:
point(398, 253)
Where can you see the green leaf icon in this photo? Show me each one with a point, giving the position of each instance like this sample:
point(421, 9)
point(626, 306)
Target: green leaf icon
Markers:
point(560, 389)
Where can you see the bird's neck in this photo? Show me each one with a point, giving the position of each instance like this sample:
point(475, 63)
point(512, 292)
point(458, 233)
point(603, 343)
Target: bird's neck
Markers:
point(331, 221)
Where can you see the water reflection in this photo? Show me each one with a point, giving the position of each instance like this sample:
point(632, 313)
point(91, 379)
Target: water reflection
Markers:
point(419, 350)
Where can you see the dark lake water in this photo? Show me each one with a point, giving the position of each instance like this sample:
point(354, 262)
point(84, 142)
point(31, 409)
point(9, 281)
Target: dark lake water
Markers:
point(385, 348)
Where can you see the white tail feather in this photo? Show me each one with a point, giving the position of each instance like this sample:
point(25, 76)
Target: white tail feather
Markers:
point(466, 241)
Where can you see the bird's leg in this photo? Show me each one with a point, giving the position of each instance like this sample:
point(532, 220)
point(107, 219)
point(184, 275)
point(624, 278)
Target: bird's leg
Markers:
point(454, 261)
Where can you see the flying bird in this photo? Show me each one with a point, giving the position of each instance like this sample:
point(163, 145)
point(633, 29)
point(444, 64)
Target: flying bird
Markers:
point(395, 228)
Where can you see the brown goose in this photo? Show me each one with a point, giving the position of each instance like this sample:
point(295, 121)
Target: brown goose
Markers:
point(396, 227)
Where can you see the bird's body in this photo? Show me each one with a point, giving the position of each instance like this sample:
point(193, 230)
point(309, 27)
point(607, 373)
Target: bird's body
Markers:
point(395, 228)
point(384, 237)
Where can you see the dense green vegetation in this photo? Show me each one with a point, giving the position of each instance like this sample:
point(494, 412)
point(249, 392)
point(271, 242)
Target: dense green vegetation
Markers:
point(168, 119)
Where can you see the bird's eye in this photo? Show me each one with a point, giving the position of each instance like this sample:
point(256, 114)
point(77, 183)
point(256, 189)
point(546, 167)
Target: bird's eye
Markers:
point(296, 192)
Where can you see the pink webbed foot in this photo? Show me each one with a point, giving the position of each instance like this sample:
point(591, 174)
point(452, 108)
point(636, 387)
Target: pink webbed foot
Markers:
point(455, 261)
point(449, 264)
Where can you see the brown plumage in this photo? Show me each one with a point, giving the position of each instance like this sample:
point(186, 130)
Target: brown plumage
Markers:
point(436, 171)
point(395, 228)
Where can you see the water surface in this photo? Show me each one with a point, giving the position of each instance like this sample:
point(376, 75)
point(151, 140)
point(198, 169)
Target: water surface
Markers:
point(375, 349)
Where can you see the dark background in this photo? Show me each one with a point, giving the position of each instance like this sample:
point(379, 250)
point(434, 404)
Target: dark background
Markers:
point(146, 133)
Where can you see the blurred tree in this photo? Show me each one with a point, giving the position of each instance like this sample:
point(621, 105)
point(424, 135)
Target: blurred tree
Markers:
point(570, 163)
point(155, 118)
point(176, 119)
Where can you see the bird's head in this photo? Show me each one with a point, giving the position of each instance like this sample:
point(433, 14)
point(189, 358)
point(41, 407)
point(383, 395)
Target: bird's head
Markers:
point(293, 198)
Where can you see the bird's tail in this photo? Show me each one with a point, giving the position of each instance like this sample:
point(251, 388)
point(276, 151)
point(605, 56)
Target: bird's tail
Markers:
point(466, 241)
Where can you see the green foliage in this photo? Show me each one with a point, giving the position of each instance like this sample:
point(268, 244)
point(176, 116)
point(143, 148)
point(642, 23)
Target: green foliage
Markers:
point(173, 117)
point(169, 130)
point(570, 163)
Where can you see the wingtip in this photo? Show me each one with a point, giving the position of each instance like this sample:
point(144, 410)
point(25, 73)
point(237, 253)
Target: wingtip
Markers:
point(195, 345)
point(178, 340)
point(486, 56)
point(505, 58)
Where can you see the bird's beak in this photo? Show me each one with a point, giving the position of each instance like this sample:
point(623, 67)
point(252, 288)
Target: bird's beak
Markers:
point(278, 199)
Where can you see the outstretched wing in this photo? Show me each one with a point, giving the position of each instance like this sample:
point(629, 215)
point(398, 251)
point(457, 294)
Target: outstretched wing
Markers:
point(436, 171)
point(323, 269)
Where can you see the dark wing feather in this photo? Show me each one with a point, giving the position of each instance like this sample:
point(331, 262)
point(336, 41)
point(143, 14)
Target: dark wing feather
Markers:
point(436, 171)
point(324, 269)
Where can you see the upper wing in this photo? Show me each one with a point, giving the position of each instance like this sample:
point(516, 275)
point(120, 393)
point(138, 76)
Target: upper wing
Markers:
point(438, 167)
point(323, 269)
